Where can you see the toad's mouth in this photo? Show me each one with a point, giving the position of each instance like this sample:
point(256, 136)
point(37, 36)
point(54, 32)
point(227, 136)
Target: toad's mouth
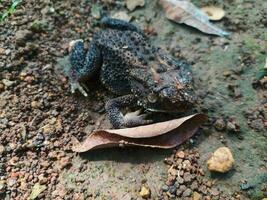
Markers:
point(169, 108)
point(162, 111)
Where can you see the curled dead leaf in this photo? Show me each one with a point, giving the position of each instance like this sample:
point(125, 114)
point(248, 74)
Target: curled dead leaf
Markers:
point(185, 12)
point(159, 135)
point(122, 15)
point(214, 13)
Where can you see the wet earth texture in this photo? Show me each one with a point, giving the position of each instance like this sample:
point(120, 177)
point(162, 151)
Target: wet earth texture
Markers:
point(39, 115)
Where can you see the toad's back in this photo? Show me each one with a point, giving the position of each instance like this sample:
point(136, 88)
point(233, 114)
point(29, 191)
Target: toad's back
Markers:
point(129, 46)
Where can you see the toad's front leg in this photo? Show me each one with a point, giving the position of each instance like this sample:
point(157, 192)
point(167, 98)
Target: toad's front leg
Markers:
point(117, 119)
point(83, 65)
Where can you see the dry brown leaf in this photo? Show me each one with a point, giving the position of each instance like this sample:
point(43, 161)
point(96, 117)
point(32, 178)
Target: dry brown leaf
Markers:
point(159, 135)
point(122, 15)
point(185, 12)
point(214, 13)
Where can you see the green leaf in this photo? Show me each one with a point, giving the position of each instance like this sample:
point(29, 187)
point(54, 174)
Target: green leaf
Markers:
point(10, 10)
point(95, 10)
point(261, 73)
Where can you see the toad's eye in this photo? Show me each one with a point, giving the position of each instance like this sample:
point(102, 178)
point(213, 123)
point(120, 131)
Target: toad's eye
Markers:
point(152, 98)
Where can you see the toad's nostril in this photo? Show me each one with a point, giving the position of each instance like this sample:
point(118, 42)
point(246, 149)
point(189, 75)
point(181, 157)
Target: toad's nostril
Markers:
point(152, 98)
point(192, 99)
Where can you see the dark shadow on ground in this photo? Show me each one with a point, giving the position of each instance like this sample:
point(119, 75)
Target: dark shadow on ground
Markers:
point(222, 176)
point(133, 155)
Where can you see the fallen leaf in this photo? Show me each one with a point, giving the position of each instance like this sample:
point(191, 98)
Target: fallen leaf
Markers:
point(122, 15)
point(36, 190)
point(185, 12)
point(159, 135)
point(214, 13)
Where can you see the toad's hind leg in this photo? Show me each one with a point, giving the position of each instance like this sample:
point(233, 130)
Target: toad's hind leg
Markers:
point(117, 119)
point(114, 78)
point(119, 24)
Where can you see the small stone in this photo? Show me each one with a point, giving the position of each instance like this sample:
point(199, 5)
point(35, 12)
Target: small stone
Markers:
point(165, 188)
point(122, 15)
point(2, 149)
point(29, 79)
point(182, 188)
point(213, 12)
point(221, 161)
point(171, 196)
point(180, 154)
point(173, 171)
point(171, 180)
point(219, 124)
point(172, 189)
point(180, 180)
point(35, 104)
point(12, 145)
point(42, 180)
point(132, 4)
point(237, 93)
point(233, 126)
point(179, 192)
point(227, 73)
point(60, 191)
point(2, 87)
point(187, 177)
point(187, 193)
point(2, 186)
point(23, 185)
point(208, 183)
point(22, 36)
point(13, 161)
point(194, 185)
point(11, 182)
point(257, 124)
point(2, 51)
point(145, 192)
point(47, 129)
point(7, 82)
point(196, 196)
point(64, 162)
point(7, 52)
point(186, 163)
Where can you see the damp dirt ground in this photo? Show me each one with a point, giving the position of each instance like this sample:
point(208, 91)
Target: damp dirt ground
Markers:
point(39, 115)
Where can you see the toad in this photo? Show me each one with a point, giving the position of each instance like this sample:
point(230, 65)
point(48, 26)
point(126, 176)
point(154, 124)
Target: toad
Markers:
point(133, 69)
